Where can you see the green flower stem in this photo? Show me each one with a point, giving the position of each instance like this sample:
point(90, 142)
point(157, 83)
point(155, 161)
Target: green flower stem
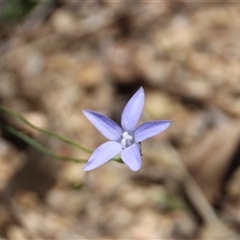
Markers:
point(18, 116)
point(38, 146)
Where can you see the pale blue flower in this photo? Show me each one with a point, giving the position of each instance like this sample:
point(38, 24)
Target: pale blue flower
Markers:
point(123, 140)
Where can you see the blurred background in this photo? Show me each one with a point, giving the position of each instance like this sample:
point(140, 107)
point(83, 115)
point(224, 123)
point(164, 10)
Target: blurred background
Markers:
point(59, 57)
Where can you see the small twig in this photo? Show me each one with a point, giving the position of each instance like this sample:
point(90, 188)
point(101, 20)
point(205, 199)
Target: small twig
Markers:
point(193, 191)
point(198, 199)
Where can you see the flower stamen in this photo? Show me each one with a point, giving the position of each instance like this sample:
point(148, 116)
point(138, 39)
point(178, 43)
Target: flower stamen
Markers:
point(126, 140)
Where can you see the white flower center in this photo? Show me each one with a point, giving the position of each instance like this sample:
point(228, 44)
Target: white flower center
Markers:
point(126, 139)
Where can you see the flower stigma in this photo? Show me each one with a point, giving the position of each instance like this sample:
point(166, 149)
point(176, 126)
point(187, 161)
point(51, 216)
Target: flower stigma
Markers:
point(126, 140)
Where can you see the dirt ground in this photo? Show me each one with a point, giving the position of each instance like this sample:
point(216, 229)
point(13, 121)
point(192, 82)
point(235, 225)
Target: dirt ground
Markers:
point(60, 57)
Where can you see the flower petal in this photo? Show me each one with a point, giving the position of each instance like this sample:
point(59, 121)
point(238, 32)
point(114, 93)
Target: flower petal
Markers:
point(131, 156)
point(150, 129)
point(133, 110)
point(102, 154)
point(104, 125)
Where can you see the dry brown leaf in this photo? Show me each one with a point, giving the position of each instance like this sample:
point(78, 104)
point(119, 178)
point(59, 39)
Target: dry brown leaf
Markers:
point(209, 160)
